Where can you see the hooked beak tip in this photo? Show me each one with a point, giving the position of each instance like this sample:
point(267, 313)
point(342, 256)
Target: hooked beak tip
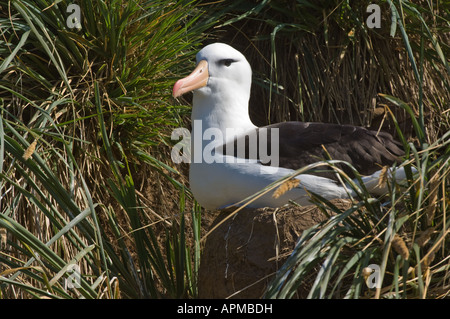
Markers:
point(177, 89)
point(197, 79)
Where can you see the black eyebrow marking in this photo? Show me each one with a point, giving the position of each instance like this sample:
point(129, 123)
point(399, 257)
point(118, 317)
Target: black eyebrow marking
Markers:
point(227, 62)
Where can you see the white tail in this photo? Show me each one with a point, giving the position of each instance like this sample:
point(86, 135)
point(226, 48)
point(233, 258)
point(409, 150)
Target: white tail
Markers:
point(376, 183)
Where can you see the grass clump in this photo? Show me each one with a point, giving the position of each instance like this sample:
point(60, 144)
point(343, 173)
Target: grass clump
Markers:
point(321, 62)
point(76, 106)
point(88, 194)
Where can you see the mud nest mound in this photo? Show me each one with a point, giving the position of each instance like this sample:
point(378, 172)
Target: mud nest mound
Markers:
point(241, 255)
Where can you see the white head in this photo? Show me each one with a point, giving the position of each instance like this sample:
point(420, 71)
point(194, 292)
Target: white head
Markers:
point(221, 86)
point(220, 70)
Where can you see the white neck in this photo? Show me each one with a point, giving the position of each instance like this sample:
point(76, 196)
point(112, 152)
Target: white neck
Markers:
point(221, 111)
point(216, 118)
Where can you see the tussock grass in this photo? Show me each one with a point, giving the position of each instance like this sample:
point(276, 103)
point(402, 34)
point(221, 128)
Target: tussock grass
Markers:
point(82, 111)
point(85, 118)
point(322, 63)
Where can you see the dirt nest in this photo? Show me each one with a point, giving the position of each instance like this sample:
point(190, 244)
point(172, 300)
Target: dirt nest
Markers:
point(241, 255)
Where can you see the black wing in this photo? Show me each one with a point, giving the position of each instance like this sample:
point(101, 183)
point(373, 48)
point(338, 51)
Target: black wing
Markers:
point(301, 144)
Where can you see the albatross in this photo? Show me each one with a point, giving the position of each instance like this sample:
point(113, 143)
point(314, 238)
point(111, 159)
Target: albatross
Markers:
point(232, 159)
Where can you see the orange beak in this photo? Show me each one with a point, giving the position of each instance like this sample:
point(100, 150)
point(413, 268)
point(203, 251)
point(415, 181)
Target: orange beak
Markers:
point(197, 79)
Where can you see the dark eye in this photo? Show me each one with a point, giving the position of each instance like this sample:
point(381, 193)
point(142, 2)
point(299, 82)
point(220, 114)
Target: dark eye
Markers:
point(226, 62)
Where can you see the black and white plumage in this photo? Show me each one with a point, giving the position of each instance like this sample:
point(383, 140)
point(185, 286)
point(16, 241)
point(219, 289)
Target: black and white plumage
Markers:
point(304, 143)
point(221, 85)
